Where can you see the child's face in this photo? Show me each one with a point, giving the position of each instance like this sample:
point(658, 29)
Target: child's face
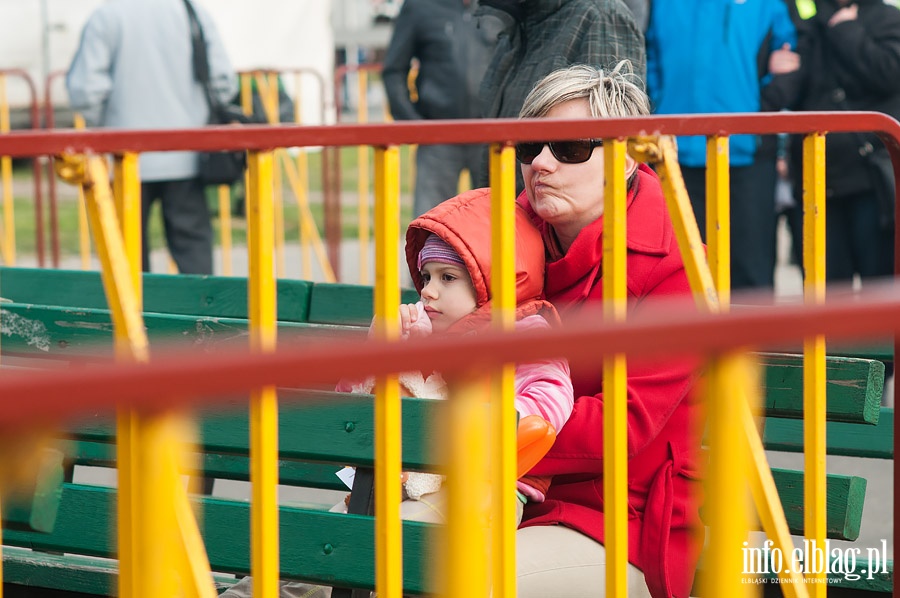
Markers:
point(448, 294)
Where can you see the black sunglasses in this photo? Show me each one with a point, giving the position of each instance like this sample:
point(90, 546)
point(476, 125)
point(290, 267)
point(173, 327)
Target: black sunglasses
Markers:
point(567, 152)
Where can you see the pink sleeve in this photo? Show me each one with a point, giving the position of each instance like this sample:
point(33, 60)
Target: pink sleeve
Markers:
point(544, 388)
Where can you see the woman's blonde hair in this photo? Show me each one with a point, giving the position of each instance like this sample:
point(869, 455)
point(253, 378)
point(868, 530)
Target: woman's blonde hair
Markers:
point(614, 93)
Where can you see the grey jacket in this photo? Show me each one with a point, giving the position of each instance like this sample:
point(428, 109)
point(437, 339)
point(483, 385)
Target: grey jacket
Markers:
point(133, 70)
point(453, 53)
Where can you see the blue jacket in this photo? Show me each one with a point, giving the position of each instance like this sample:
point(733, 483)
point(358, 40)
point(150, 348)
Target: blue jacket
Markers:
point(703, 57)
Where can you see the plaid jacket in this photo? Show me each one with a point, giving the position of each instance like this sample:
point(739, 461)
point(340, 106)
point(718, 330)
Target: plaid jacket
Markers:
point(553, 34)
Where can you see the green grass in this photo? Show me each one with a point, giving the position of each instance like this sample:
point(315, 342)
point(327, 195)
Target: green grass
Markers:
point(67, 208)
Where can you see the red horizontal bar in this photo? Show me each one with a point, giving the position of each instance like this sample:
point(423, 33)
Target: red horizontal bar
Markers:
point(261, 137)
point(660, 330)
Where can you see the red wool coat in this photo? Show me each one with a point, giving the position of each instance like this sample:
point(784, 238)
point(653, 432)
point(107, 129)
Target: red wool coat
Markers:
point(664, 416)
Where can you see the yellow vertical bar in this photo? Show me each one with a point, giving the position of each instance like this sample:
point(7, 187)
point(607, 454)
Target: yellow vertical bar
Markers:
point(503, 414)
point(679, 205)
point(726, 479)
point(246, 93)
point(411, 171)
point(303, 199)
point(127, 198)
point(263, 402)
point(362, 165)
point(128, 207)
point(718, 218)
point(8, 246)
point(388, 536)
point(307, 221)
point(224, 193)
point(84, 234)
point(277, 177)
point(124, 300)
point(158, 563)
point(467, 540)
point(303, 185)
point(615, 415)
point(814, 351)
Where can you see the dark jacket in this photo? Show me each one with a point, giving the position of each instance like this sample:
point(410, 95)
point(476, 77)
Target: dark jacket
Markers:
point(854, 65)
point(545, 35)
point(452, 51)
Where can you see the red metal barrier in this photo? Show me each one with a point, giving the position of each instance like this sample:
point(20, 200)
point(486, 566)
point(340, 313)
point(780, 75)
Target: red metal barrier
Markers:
point(38, 199)
point(664, 328)
point(25, 144)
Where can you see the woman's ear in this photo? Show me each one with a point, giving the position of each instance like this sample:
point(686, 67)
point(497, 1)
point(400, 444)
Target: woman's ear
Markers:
point(631, 166)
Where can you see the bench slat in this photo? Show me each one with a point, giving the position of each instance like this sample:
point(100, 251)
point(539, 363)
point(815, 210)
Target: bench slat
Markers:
point(317, 426)
point(216, 465)
point(854, 387)
point(348, 304)
point(191, 295)
point(57, 332)
point(321, 547)
point(874, 442)
point(844, 498)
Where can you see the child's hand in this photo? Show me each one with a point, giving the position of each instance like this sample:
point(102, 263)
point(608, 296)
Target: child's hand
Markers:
point(414, 322)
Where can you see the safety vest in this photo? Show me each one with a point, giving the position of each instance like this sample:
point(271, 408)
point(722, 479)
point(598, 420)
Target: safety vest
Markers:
point(806, 9)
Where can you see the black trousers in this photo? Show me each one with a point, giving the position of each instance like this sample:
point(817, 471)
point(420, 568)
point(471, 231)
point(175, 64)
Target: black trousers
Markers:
point(186, 221)
point(752, 220)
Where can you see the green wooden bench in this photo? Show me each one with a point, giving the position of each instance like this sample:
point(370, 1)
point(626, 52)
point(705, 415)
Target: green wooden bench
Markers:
point(209, 311)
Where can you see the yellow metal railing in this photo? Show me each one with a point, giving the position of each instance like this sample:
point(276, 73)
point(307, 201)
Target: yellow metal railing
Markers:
point(149, 445)
point(388, 530)
point(502, 430)
point(615, 374)
point(8, 240)
point(814, 352)
point(297, 173)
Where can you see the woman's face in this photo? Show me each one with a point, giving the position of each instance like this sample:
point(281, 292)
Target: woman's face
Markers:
point(566, 196)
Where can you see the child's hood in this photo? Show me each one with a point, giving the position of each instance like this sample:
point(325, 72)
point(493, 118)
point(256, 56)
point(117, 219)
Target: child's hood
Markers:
point(464, 223)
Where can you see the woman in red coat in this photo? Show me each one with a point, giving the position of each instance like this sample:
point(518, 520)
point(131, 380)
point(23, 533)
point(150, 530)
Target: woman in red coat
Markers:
point(560, 544)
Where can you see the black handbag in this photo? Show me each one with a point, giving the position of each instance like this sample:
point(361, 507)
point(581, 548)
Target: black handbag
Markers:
point(215, 168)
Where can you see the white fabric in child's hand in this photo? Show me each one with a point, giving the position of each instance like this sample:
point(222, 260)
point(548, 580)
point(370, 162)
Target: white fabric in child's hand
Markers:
point(419, 484)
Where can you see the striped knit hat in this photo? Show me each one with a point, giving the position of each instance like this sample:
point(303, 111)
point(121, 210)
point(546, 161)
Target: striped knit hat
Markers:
point(435, 249)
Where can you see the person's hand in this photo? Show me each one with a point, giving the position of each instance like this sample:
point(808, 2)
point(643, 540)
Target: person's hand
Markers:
point(848, 13)
point(413, 321)
point(784, 61)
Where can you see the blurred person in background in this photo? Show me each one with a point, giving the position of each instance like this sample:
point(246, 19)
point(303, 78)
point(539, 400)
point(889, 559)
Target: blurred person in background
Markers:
point(541, 36)
point(717, 57)
point(850, 60)
point(452, 53)
point(134, 70)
